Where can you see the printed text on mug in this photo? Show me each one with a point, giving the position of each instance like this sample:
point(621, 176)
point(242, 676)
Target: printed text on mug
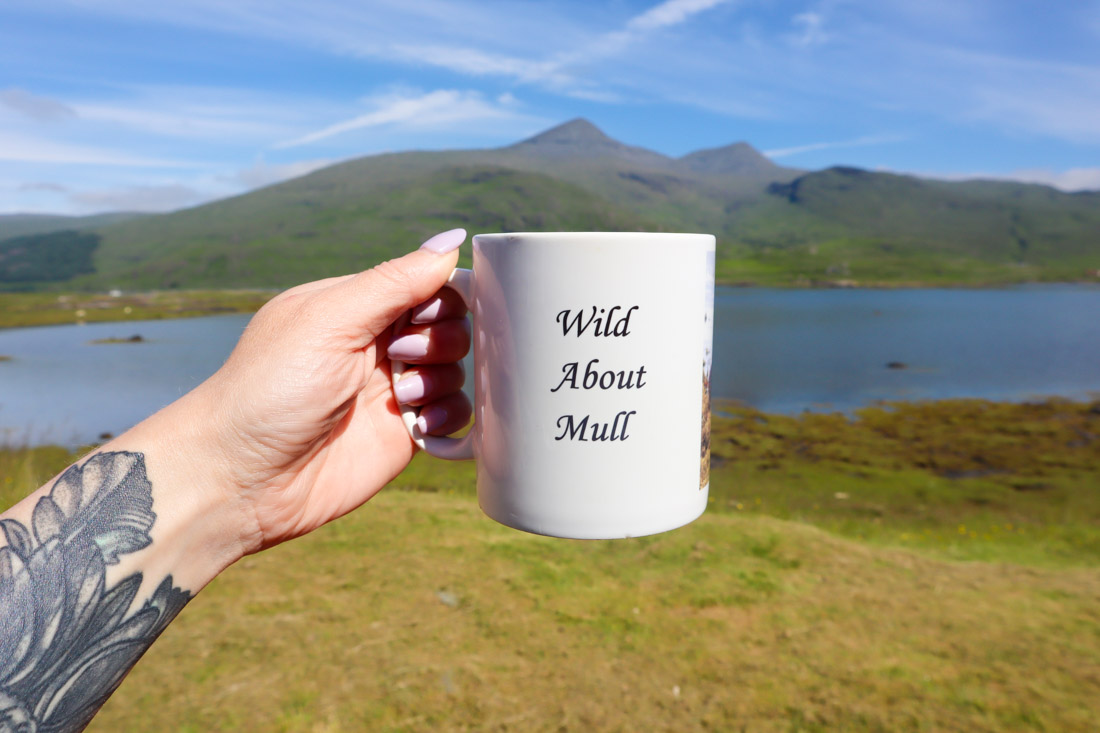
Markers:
point(602, 322)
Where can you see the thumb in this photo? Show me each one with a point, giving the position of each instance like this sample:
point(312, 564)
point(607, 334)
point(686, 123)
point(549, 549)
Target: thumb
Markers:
point(375, 298)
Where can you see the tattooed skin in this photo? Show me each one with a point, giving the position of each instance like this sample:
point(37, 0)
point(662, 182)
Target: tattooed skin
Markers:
point(67, 640)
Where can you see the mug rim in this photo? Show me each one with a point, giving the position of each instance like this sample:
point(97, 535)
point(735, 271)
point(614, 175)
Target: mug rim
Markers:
point(515, 236)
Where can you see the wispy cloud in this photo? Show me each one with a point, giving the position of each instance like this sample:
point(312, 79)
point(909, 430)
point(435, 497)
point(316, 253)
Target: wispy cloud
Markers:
point(911, 45)
point(28, 149)
point(926, 72)
point(463, 37)
point(1053, 107)
point(262, 173)
point(810, 29)
point(127, 87)
point(607, 45)
point(1091, 19)
point(441, 108)
point(853, 143)
point(1073, 179)
point(33, 106)
point(476, 61)
point(207, 122)
point(559, 69)
point(42, 186)
point(670, 13)
point(152, 198)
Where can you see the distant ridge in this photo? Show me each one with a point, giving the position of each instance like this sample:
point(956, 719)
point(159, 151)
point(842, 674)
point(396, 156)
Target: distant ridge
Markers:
point(775, 225)
point(16, 225)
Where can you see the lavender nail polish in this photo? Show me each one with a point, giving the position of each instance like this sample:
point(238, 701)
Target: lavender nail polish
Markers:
point(412, 346)
point(430, 418)
point(427, 312)
point(410, 388)
point(445, 241)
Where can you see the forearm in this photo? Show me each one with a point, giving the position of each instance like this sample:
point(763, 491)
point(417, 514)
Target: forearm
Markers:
point(99, 561)
point(298, 427)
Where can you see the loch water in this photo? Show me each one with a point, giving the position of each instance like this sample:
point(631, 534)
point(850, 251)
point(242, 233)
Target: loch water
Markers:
point(778, 350)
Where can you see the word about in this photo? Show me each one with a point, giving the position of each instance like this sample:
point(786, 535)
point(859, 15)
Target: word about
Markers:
point(604, 379)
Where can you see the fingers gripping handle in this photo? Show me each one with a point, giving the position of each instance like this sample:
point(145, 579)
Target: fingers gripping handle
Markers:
point(453, 449)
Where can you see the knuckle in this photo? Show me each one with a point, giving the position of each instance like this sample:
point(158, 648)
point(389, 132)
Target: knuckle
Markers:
point(389, 272)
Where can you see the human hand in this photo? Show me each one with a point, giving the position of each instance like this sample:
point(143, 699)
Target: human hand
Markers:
point(302, 418)
point(300, 426)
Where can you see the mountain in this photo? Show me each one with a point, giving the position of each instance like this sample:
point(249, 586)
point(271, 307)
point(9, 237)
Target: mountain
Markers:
point(940, 227)
point(17, 225)
point(739, 159)
point(775, 225)
point(53, 256)
point(580, 139)
point(341, 219)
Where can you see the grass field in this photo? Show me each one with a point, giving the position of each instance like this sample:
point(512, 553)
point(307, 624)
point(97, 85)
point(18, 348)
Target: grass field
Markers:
point(920, 567)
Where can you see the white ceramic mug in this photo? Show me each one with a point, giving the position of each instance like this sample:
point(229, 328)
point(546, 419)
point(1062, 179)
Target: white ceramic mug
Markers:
point(591, 381)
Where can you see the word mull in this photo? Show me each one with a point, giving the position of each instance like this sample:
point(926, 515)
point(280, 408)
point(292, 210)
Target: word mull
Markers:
point(594, 431)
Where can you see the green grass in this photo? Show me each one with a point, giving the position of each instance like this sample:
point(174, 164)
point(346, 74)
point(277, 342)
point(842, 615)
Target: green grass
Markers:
point(22, 470)
point(420, 614)
point(961, 479)
point(919, 567)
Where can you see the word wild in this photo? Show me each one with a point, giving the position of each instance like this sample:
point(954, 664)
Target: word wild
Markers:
point(613, 321)
point(602, 321)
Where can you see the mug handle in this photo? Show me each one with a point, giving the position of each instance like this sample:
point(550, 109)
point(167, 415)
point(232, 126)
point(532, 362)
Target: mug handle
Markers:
point(452, 449)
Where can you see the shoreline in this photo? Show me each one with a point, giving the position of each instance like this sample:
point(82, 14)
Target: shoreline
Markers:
point(28, 310)
point(852, 284)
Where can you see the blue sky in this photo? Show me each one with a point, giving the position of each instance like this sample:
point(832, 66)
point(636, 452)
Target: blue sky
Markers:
point(115, 104)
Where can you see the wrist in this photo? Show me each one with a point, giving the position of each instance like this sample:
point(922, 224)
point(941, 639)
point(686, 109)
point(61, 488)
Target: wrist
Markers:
point(202, 527)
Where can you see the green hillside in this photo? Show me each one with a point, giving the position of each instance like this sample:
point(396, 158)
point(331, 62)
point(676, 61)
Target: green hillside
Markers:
point(18, 225)
point(342, 219)
point(775, 225)
point(884, 224)
point(33, 259)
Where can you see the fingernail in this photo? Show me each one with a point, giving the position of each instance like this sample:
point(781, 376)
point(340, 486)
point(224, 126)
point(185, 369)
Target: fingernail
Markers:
point(445, 241)
point(412, 346)
point(427, 312)
point(430, 418)
point(410, 387)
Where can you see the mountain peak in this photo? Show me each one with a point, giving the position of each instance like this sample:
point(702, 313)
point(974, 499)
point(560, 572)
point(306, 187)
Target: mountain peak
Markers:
point(580, 139)
point(578, 131)
point(740, 158)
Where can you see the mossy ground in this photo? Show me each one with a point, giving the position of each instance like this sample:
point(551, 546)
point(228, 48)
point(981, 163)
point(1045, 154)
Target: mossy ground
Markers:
point(916, 567)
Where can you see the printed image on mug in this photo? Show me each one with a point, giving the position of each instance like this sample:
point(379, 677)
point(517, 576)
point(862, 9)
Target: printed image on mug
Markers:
point(591, 419)
point(708, 345)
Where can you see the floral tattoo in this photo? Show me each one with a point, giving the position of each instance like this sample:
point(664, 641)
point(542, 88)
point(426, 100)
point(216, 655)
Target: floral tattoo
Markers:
point(66, 639)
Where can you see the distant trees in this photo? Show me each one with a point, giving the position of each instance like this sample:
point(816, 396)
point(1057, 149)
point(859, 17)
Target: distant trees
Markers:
point(47, 257)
